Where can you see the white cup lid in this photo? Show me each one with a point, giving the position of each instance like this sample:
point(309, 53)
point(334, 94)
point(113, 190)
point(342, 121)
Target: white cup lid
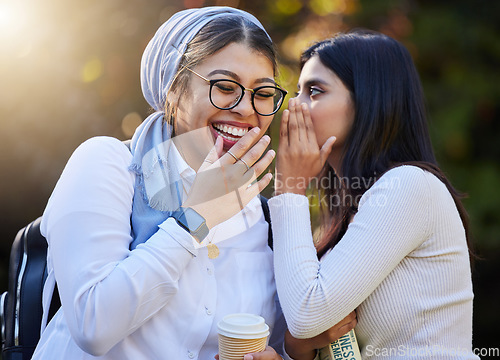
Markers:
point(243, 326)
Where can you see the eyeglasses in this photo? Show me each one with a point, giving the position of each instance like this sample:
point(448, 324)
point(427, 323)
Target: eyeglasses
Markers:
point(226, 94)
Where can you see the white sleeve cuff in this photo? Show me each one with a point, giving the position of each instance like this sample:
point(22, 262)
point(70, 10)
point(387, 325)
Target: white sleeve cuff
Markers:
point(180, 235)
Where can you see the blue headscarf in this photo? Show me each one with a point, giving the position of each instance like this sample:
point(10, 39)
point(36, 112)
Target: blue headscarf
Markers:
point(157, 180)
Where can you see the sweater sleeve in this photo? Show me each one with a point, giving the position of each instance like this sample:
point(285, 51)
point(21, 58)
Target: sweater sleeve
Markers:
point(392, 220)
point(106, 290)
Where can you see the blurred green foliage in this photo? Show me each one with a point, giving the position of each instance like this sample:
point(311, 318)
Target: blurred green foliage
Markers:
point(70, 71)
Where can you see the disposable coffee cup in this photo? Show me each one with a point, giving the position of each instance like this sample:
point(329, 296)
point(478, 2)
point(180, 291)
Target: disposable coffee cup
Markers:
point(240, 334)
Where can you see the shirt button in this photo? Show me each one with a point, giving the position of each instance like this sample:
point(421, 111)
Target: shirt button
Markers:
point(209, 312)
point(209, 271)
point(191, 355)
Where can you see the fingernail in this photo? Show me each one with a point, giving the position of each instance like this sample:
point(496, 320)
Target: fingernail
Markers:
point(266, 138)
point(272, 153)
point(248, 357)
point(256, 130)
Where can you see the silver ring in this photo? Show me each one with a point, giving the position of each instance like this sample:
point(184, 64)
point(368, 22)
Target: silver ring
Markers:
point(230, 153)
point(244, 162)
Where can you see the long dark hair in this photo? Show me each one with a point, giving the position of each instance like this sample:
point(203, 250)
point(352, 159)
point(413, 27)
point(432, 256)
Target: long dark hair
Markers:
point(390, 123)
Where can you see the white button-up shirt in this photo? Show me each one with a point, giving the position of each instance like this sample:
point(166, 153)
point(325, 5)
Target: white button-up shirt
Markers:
point(158, 301)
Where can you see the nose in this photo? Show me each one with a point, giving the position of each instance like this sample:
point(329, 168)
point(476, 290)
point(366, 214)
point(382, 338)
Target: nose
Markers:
point(245, 107)
point(301, 98)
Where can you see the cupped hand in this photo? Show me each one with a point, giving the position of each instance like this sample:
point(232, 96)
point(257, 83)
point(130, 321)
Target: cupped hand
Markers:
point(223, 185)
point(305, 349)
point(300, 158)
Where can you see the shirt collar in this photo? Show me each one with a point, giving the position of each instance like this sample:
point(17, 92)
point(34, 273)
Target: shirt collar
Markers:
point(186, 172)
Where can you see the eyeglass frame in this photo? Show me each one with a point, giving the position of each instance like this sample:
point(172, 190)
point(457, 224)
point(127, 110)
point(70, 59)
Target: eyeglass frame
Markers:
point(252, 91)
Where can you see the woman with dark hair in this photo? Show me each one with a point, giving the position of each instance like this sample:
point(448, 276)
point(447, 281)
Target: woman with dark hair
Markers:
point(392, 243)
point(152, 245)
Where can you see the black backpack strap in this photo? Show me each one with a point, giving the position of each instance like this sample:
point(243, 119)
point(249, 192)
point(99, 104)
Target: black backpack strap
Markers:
point(27, 274)
point(267, 216)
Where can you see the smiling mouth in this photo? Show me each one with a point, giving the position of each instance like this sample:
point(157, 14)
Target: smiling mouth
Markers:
point(230, 132)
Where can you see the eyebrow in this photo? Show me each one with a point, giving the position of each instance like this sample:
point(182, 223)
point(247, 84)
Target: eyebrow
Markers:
point(313, 82)
point(237, 78)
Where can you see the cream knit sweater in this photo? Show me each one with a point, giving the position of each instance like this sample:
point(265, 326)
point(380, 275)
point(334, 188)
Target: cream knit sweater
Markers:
point(403, 264)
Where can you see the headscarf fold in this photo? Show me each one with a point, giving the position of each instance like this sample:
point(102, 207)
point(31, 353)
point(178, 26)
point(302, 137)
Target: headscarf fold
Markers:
point(150, 143)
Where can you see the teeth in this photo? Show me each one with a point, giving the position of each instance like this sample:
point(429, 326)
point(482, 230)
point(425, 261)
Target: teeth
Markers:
point(236, 131)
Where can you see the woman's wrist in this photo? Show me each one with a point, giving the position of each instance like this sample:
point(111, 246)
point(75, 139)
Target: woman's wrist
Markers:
point(297, 350)
point(310, 355)
point(290, 184)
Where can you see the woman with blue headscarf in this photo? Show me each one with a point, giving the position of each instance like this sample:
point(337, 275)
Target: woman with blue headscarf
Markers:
point(153, 244)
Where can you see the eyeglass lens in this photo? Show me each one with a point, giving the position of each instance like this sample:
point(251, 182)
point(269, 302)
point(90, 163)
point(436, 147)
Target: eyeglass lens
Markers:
point(225, 94)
